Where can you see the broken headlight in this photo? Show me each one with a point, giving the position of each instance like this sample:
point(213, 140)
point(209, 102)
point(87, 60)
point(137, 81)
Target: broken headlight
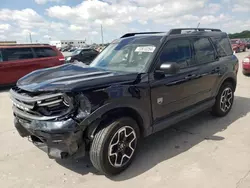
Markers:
point(84, 104)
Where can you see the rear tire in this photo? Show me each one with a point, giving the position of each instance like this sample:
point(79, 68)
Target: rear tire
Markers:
point(114, 146)
point(224, 100)
point(245, 49)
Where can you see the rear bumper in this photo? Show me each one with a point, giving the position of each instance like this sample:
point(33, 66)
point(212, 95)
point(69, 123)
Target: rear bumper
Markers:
point(64, 142)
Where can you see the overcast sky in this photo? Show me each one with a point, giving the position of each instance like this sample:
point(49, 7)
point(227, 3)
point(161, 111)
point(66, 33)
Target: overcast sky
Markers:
point(78, 19)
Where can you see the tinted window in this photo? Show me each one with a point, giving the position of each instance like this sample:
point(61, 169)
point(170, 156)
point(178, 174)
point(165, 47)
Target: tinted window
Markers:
point(204, 51)
point(45, 52)
point(178, 51)
point(11, 54)
point(94, 52)
point(1, 56)
point(85, 52)
point(222, 46)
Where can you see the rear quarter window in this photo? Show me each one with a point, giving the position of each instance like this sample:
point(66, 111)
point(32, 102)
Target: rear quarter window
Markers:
point(12, 54)
point(222, 45)
point(42, 52)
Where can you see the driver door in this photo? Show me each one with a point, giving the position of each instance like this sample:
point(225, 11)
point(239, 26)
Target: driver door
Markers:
point(171, 94)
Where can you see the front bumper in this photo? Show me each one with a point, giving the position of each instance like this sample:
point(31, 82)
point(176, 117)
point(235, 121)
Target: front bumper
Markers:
point(60, 139)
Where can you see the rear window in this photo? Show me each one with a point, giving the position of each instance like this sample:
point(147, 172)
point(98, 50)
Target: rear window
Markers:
point(222, 45)
point(12, 54)
point(44, 52)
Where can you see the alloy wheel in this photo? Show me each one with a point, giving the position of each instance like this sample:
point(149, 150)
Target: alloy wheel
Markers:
point(226, 99)
point(122, 146)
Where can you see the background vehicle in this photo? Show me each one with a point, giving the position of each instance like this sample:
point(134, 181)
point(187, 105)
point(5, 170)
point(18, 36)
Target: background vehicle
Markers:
point(238, 45)
point(19, 60)
point(85, 56)
point(140, 84)
point(246, 65)
point(248, 43)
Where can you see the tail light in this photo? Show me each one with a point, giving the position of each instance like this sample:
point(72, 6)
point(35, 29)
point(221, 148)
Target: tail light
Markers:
point(246, 60)
point(61, 59)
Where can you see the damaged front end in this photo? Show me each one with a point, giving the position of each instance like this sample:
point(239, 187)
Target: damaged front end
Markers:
point(52, 121)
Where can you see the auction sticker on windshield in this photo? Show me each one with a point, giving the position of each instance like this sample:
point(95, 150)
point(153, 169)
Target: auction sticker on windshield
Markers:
point(150, 49)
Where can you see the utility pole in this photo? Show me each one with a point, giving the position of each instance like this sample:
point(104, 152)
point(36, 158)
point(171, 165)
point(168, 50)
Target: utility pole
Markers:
point(198, 25)
point(30, 38)
point(102, 34)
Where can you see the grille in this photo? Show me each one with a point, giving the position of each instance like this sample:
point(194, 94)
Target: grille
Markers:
point(44, 106)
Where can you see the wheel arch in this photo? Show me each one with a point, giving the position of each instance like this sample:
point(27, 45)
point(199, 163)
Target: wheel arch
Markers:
point(109, 115)
point(230, 80)
point(230, 77)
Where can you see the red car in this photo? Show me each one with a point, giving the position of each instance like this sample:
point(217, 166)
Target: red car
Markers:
point(246, 65)
point(238, 45)
point(18, 60)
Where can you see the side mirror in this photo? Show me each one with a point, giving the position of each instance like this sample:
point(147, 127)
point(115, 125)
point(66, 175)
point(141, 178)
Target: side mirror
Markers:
point(169, 68)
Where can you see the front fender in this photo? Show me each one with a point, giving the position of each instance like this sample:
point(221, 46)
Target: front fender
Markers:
point(144, 110)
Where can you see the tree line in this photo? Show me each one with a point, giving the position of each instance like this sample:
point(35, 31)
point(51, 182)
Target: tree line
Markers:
point(243, 34)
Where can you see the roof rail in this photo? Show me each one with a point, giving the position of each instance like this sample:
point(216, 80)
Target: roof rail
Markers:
point(179, 30)
point(141, 33)
point(22, 44)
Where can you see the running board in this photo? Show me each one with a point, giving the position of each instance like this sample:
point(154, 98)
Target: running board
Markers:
point(182, 116)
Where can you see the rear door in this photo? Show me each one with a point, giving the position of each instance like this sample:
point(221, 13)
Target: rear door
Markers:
point(47, 57)
point(210, 66)
point(16, 62)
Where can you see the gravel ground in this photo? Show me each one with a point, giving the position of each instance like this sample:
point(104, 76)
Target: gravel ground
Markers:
point(200, 152)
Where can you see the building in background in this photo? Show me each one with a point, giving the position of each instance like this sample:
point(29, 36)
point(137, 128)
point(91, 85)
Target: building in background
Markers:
point(64, 43)
point(7, 42)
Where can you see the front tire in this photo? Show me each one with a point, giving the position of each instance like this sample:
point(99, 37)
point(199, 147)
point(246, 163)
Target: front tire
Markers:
point(114, 146)
point(224, 100)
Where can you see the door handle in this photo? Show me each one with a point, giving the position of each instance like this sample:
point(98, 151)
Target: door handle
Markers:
point(190, 76)
point(217, 69)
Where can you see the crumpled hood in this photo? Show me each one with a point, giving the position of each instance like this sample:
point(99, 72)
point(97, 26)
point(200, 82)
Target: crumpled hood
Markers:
point(72, 77)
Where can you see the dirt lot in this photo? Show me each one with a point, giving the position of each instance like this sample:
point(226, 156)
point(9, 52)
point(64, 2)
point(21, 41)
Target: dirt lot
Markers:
point(201, 152)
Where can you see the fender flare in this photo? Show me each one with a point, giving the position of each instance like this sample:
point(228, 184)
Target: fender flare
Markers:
point(230, 75)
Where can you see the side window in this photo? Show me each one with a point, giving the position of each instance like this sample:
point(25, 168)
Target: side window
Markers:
point(223, 46)
point(204, 51)
point(12, 54)
point(178, 51)
point(88, 53)
point(93, 52)
point(44, 52)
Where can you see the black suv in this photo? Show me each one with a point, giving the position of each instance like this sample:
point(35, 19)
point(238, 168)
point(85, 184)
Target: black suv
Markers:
point(85, 56)
point(140, 84)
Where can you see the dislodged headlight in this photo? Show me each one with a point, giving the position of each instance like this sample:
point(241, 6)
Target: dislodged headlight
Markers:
point(84, 104)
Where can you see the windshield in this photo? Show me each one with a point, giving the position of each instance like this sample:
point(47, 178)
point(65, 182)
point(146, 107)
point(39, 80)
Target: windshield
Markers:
point(234, 42)
point(128, 55)
point(76, 52)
